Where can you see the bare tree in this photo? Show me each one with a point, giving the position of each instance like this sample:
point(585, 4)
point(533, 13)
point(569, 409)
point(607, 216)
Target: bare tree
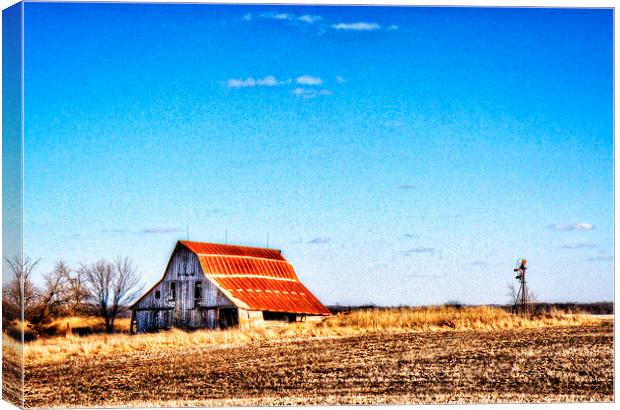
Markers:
point(512, 293)
point(20, 295)
point(112, 286)
point(55, 296)
point(77, 291)
point(64, 292)
point(66, 288)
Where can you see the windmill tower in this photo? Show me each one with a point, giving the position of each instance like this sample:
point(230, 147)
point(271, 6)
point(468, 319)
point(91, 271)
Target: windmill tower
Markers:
point(521, 300)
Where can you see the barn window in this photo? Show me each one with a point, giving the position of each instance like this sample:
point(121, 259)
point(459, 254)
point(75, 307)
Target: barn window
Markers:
point(197, 292)
point(157, 294)
point(173, 291)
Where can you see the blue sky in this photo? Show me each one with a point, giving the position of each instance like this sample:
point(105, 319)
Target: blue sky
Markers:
point(396, 155)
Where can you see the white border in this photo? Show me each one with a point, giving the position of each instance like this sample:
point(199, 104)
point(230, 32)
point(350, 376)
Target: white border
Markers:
point(480, 3)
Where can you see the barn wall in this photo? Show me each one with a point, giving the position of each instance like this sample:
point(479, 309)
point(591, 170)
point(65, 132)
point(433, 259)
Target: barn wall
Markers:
point(250, 318)
point(184, 310)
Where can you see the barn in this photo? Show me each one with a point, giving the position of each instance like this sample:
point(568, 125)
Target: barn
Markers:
point(216, 286)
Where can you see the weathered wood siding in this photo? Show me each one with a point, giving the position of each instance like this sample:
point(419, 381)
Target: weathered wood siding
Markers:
point(177, 304)
point(250, 318)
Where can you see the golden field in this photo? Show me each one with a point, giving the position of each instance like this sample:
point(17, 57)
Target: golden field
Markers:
point(46, 350)
point(400, 355)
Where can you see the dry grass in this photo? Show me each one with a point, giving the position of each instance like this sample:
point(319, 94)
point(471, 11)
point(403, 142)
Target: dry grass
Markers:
point(447, 317)
point(91, 324)
point(70, 347)
point(64, 326)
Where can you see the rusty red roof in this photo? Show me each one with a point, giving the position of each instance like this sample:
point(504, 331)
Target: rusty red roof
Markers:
point(272, 295)
point(202, 248)
point(256, 278)
point(236, 265)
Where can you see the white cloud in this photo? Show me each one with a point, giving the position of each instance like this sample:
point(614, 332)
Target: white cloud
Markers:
point(412, 251)
point(313, 18)
point(309, 80)
point(600, 258)
point(309, 92)
point(562, 227)
point(393, 123)
point(340, 79)
point(359, 26)
point(581, 226)
point(237, 83)
point(281, 16)
point(158, 230)
point(305, 18)
point(319, 240)
point(277, 16)
point(269, 81)
point(578, 246)
point(309, 18)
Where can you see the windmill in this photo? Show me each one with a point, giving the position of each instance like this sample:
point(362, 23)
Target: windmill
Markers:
point(521, 300)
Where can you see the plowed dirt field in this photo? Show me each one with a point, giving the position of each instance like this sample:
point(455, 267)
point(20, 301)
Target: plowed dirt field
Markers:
point(572, 363)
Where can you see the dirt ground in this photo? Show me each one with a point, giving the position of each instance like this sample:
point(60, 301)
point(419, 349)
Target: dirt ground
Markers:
point(572, 363)
point(11, 375)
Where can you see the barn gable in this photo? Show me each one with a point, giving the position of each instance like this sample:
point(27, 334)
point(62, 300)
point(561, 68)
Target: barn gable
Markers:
point(183, 297)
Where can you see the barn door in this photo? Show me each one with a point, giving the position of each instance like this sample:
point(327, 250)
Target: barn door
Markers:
point(167, 319)
point(175, 298)
point(227, 317)
point(185, 302)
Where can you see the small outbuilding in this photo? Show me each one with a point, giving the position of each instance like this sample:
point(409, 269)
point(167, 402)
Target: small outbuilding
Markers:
point(216, 286)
